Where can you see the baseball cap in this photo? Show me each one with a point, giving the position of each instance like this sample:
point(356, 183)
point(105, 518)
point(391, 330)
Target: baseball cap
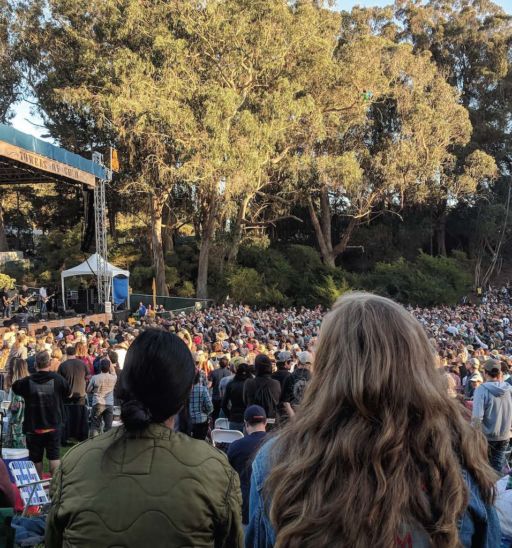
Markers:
point(305, 357)
point(254, 414)
point(284, 356)
point(476, 378)
point(492, 366)
point(475, 362)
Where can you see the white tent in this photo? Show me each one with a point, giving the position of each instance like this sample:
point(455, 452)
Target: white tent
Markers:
point(90, 267)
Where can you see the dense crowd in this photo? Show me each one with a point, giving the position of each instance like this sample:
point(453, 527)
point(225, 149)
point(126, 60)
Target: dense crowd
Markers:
point(269, 373)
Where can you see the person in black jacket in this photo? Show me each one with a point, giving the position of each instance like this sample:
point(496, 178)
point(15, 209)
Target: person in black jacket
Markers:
point(44, 393)
point(233, 403)
point(263, 390)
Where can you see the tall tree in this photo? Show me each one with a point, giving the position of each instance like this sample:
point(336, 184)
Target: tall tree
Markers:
point(471, 43)
point(390, 124)
point(10, 78)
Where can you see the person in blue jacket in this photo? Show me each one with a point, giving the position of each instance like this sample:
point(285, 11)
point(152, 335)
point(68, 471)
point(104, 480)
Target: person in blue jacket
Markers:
point(377, 455)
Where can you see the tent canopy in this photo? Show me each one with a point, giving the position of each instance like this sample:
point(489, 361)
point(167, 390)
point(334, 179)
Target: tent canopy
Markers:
point(90, 268)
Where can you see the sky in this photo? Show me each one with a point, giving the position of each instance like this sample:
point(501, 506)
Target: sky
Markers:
point(28, 121)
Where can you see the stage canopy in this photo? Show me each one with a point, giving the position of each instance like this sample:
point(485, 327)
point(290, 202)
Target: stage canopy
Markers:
point(25, 159)
point(90, 267)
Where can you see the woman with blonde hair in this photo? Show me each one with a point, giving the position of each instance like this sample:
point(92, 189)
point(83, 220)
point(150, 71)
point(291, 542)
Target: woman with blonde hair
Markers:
point(83, 355)
point(56, 359)
point(377, 455)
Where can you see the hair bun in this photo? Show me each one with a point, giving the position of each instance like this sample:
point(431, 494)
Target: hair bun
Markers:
point(135, 415)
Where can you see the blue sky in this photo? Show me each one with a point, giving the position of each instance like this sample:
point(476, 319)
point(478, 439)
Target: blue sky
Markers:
point(29, 122)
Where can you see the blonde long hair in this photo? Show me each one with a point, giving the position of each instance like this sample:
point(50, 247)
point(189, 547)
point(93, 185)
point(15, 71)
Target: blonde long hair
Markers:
point(376, 444)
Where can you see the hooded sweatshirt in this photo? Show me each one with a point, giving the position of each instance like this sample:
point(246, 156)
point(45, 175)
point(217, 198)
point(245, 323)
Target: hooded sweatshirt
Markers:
point(492, 405)
point(44, 393)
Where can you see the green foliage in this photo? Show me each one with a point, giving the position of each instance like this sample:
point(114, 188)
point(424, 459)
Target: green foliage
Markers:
point(16, 270)
point(187, 289)
point(6, 281)
point(291, 275)
point(328, 290)
point(141, 278)
point(425, 281)
point(246, 285)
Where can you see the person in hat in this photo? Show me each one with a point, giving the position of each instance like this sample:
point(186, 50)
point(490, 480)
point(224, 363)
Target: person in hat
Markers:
point(492, 412)
point(298, 380)
point(241, 452)
point(284, 364)
point(472, 366)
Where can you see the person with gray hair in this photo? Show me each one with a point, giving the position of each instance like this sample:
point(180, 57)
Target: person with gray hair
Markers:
point(44, 392)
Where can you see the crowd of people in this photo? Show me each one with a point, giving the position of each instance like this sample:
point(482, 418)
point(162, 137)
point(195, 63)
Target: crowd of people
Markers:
point(402, 418)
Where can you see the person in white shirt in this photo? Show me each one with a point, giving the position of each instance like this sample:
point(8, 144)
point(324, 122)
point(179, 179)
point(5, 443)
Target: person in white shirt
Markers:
point(43, 296)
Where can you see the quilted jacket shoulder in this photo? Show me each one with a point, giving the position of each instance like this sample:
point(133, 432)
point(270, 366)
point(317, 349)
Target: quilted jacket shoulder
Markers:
point(158, 487)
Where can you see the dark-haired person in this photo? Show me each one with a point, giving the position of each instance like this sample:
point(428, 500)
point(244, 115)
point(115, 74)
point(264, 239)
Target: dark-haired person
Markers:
point(492, 412)
point(44, 393)
point(263, 390)
point(200, 407)
point(149, 485)
point(241, 452)
point(215, 377)
point(381, 464)
point(102, 389)
point(233, 404)
point(76, 372)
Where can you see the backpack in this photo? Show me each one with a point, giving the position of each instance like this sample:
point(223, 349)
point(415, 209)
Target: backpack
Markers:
point(298, 390)
point(264, 398)
point(300, 381)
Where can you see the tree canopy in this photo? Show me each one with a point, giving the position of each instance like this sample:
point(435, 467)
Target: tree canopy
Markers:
point(267, 122)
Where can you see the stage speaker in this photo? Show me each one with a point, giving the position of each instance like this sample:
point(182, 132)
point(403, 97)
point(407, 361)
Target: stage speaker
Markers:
point(70, 313)
point(8, 323)
point(53, 316)
point(33, 319)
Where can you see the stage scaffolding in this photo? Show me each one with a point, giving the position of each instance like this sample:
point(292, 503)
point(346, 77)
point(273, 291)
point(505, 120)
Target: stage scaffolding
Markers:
point(24, 159)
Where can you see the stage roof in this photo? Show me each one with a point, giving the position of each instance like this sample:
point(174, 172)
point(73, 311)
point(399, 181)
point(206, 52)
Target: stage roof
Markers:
point(24, 159)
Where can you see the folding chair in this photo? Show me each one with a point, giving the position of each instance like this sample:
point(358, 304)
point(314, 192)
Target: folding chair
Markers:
point(29, 484)
point(222, 424)
point(225, 436)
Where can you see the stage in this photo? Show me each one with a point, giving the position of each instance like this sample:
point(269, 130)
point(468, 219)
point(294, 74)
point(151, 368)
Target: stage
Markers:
point(64, 322)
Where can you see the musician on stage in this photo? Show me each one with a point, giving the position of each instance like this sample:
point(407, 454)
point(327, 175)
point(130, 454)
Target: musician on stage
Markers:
point(43, 299)
point(24, 299)
point(5, 303)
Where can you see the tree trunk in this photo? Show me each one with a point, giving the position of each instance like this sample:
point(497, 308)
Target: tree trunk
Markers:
point(325, 247)
point(4, 246)
point(112, 217)
point(157, 205)
point(238, 230)
point(441, 234)
point(342, 245)
point(208, 230)
point(168, 230)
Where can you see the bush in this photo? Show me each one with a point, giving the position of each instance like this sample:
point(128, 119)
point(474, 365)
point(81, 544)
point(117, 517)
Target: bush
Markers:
point(426, 281)
point(248, 286)
point(6, 281)
point(187, 289)
point(328, 291)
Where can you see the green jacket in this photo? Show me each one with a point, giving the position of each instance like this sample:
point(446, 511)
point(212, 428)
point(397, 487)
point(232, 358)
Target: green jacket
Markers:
point(156, 489)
